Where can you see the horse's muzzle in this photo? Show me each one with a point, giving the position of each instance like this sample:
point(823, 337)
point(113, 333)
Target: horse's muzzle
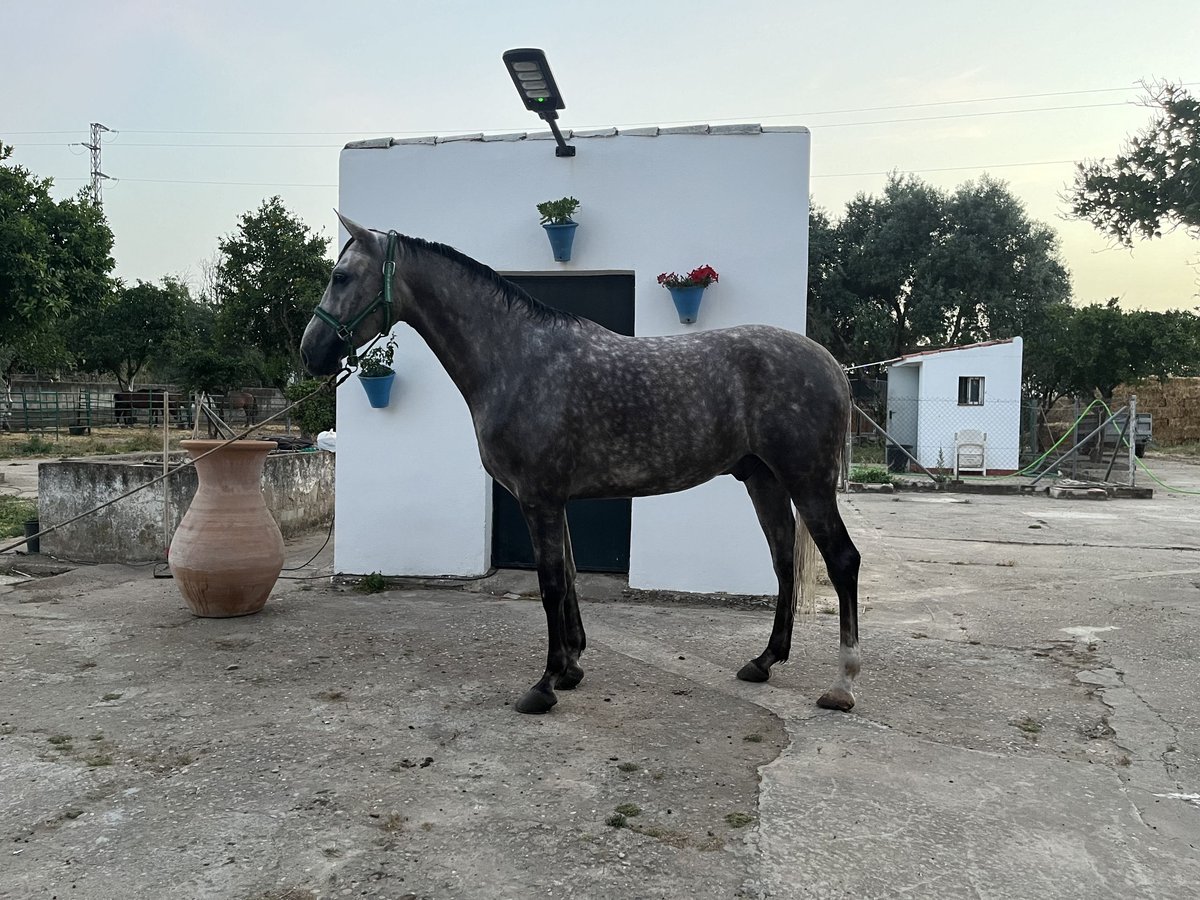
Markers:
point(320, 353)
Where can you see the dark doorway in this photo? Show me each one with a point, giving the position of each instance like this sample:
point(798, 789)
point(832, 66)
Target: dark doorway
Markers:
point(599, 528)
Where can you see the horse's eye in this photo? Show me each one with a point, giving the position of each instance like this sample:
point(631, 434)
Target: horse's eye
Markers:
point(339, 278)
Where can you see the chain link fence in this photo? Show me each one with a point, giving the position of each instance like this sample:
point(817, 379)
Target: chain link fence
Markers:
point(944, 436)
point(76, 410)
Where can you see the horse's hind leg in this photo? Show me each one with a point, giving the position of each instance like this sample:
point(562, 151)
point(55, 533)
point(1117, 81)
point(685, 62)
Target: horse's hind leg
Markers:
point(576, 639)
point(819, 510)
point(774, 508)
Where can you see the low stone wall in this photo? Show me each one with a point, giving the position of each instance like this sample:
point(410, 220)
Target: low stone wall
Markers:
point(298, 488)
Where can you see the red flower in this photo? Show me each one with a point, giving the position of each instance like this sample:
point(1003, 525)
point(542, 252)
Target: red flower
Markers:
point(702, 276)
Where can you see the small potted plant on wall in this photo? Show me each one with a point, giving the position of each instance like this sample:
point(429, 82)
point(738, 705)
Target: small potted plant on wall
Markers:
point(560, 227)
point(688, 290)
point(376, 374)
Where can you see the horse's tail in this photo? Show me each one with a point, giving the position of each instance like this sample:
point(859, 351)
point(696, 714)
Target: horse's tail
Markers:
point(804, 584)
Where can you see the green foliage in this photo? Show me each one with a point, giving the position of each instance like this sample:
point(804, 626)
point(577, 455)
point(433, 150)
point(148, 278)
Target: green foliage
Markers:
point(1152, 184)
point(372, 584)
point(55, 258)
point(271, 275)
point(377, 361)
point(558, 212)
point(34, 445)
point(200, 359)
point(316, 414)
point(126, 332)
point(14, 512)
point(919, 268)
point(1092, 349)
point(870, 474)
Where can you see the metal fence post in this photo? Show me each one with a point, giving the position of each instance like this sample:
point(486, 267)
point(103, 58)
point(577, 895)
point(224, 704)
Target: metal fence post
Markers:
point(1133, 431)
point(1075, 418)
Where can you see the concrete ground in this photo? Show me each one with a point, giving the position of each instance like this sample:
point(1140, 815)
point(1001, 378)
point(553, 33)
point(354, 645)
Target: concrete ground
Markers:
point(1026, 726)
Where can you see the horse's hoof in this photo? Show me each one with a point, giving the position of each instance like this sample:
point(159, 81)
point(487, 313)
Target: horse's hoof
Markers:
point(568, 680)
point(536, 701)
point(752, 671)
point(836, 698)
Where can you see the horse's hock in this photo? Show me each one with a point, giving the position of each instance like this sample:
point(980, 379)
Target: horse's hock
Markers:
point(298, 489)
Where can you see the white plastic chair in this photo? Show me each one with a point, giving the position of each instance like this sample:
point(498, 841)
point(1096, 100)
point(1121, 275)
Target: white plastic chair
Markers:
point(970, 451)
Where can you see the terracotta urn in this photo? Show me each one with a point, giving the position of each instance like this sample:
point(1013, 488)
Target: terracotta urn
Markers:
point(227, 552)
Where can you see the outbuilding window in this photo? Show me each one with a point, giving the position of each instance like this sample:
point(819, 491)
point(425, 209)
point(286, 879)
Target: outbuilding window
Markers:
point(970, 390)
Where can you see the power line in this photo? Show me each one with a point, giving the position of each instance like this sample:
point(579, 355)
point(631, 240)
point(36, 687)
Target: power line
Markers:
point(303, 184)
point(975, 115)
point(234, 183)
point(1048, 162)
point(994, 112)
point(827, 112)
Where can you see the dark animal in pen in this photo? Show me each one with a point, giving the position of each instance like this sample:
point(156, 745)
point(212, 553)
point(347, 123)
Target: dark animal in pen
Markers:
point(226, 406)
point(146, 405)
point(564, 408)
point(240, 401)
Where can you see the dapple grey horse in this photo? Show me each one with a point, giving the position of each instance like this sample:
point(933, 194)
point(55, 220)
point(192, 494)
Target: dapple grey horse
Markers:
point(564, 409)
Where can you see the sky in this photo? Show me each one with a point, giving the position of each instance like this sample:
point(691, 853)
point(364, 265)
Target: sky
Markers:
point(216, 106)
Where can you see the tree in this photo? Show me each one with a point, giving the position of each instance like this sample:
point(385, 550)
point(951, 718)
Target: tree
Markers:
point(1155, 182)
point(316, 414)
point(919, 268)
point(271, 275)
point(993, 274)
point(197, 358)
point(1091, 350)
point(55, 257)
point(126, 333)
point(1046, 362)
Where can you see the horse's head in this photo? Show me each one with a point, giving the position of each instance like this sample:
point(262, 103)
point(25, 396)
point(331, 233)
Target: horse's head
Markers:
point(357, 304)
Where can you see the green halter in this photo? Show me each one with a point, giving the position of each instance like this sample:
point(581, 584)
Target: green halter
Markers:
point(345, 330)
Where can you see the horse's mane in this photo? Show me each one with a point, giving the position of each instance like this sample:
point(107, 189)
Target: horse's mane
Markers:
point(513, 295)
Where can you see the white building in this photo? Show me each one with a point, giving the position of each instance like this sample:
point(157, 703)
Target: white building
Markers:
point(935, 394)
point(412, 495)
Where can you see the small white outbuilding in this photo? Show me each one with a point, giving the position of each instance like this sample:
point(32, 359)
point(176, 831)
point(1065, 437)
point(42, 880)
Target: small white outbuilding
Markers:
point(934, 395)
point(412, 495)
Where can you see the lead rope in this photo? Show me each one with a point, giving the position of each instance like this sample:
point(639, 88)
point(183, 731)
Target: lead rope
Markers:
point(330, 383)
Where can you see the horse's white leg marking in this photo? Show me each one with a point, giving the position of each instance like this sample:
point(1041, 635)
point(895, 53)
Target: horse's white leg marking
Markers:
point(841, 695)
point(848, 666)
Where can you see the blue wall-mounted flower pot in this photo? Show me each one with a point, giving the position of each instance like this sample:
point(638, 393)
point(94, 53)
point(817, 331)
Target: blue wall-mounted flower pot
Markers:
point(378, 388)
point(687, 302)
point(561, 239)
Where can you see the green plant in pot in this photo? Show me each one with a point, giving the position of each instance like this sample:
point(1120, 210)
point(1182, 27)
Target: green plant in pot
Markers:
point(376, 374)
point(560, 227)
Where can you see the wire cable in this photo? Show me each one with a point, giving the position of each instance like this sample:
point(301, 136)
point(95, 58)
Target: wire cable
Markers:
point(327, 383)
point(302, 565)
point(826, 112)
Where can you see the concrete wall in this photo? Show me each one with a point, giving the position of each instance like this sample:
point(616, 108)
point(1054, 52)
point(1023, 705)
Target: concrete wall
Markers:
point(298, 488)
point(413, 497)
point(903, 391)
point(939, 416)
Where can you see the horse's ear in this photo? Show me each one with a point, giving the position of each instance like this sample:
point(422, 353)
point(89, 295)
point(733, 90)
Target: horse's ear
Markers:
point(361, 235)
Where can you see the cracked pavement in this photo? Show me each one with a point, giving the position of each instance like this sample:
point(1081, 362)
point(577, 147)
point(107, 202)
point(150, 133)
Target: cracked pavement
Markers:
point(1026, 726)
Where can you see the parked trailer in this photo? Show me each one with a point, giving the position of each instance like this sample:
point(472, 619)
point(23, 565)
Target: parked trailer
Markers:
point(1113, 434)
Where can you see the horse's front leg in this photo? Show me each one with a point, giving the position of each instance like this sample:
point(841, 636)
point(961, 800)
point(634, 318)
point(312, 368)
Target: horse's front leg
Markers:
point(547, 530)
